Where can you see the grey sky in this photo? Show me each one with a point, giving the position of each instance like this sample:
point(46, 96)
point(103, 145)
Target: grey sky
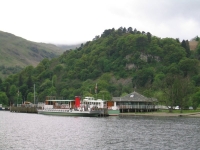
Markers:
point(76, 21)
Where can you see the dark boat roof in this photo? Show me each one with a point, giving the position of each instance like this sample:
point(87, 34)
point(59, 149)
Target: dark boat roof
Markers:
point(60, 100)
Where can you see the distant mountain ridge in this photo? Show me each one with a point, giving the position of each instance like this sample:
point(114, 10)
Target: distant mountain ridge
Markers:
point(21, 52)
point(16, 51)
point(68, 47)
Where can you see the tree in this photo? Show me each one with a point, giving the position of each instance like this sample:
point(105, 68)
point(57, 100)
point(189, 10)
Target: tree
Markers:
point(13, 94)
point(28, 70)
point(23, 90)
point(0, 82)
point(143, 77)
point(30, 97)
point(142, 43)
point(107, 32)
point(149, 36)
point(130, 30)
point(105, 95)
point(185, 45)
point(170, 89)
point(196, 100)
point(29, 82)
point(124, 30)
point(196, 38)
point(54, 80)
point(57, 69)
point(189, 66)
point(45, 62)
point(172, 51)
point(3, 98)
point(20, 80)
point(40, 68)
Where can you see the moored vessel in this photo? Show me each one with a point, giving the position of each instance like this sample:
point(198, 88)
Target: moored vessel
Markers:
point(53, 106)
point(109, 108)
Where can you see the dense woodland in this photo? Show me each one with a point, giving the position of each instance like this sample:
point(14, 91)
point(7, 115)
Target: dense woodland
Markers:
point(119, 61)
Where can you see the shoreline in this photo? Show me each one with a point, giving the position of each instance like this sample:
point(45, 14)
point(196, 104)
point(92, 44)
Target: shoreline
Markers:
point(162, 114)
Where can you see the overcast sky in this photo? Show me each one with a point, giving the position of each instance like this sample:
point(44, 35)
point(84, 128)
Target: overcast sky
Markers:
point(77, 21)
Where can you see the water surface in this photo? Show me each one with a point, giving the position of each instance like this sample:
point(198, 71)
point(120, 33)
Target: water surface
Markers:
point(40, 132)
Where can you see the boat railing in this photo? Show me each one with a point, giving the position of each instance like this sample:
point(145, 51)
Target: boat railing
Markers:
point(57, 110)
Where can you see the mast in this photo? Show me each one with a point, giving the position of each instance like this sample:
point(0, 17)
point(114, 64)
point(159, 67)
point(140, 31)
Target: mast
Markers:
point(34, 94)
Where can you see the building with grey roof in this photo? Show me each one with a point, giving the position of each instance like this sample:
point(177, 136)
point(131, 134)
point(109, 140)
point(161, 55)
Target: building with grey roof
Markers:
point(134, 102)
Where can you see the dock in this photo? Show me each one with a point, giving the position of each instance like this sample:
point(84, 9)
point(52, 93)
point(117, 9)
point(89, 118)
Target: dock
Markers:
point(23, 109)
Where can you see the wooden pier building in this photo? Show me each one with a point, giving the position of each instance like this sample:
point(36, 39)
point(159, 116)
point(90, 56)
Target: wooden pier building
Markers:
point(135, 102)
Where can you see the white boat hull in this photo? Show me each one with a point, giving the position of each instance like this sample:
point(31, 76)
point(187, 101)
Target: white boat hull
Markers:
point(63, 112)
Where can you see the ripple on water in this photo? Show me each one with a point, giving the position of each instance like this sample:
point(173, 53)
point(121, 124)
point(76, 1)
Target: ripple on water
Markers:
point(33, 131)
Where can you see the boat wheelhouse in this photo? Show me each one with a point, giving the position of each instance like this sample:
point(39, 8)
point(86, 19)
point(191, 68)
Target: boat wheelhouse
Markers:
point(108, 107)
point(99, 103)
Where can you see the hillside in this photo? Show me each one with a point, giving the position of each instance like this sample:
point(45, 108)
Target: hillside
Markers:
point(193, 44)
point(68, 47)
point(16, 51)
point(119, 62)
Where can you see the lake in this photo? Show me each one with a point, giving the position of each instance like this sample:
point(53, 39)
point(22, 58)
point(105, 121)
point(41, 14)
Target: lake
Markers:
point(40, 132)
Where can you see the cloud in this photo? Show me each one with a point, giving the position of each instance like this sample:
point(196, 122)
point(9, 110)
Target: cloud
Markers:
point(76, 21)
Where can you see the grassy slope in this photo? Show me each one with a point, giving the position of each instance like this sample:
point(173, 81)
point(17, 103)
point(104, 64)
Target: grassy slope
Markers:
point(18, 51)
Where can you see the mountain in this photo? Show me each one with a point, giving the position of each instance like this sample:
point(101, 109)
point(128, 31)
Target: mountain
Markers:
point(68, 47)
point(116, 63)
point(16, 52)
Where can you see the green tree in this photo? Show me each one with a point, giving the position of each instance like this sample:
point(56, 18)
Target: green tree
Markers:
point(189, 66)
point(185, 45)
point(149, 36)
point(3, 98)
point(196, 99)
point(20, 80)
point(105, 95)
point(1, 82)
point(13, 94)
point(30, 97)
point(29, 82)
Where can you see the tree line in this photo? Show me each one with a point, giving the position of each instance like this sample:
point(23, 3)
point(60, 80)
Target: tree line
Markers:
point(119, 61)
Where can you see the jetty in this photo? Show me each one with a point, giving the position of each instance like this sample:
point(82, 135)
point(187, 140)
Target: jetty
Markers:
point(25, 108)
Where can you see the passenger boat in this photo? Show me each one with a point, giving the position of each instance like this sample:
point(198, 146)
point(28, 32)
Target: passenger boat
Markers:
point(108, 107)
point(54, 106)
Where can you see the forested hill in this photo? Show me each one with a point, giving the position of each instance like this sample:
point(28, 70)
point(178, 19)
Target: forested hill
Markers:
point(119, 62)
point(17, 53)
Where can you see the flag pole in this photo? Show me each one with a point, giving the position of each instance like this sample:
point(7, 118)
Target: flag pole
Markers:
point(34, 94)
point(96, 90)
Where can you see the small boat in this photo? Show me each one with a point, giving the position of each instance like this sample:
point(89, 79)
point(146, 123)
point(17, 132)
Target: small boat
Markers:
point(54, 106)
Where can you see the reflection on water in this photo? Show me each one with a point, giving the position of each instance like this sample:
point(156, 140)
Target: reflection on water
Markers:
point(39, 132)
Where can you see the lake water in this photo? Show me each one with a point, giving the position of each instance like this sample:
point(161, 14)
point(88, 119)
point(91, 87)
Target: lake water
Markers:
point(22, 131)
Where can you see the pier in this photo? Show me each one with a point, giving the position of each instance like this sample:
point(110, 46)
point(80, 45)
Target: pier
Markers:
point(24, 108)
